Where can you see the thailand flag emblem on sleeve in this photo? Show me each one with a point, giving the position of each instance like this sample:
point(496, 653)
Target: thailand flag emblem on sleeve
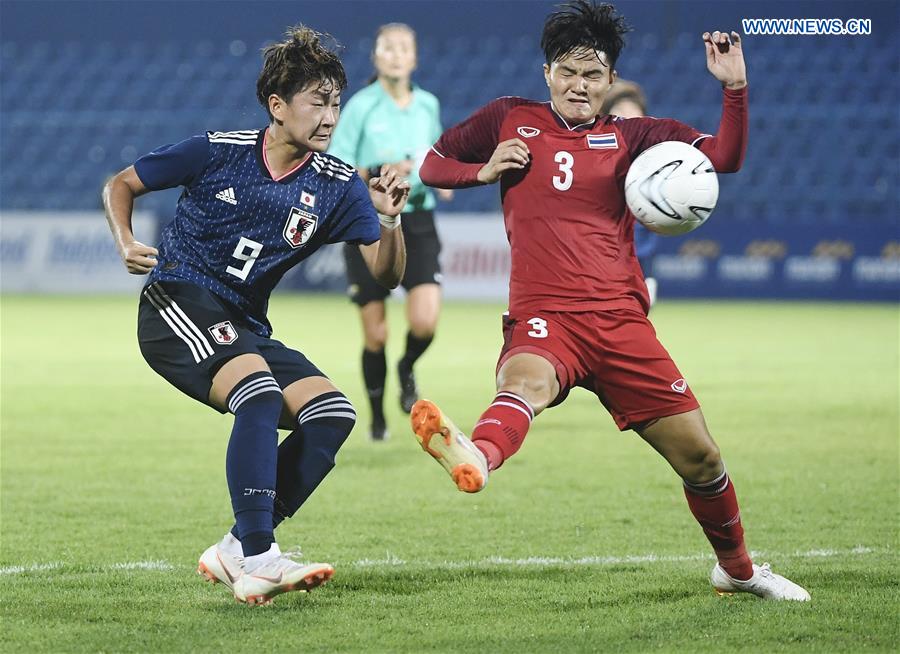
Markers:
point(603, 141)
point(307, 198)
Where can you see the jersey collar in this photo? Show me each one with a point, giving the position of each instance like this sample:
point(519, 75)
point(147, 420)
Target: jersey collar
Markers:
point(263, 163)
point(564, 123)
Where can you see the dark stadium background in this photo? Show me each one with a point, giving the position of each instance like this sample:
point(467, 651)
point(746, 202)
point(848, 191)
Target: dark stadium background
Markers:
point(88, 86)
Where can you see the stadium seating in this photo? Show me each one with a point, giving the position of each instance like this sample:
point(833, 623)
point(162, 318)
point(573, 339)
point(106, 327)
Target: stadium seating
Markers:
point(823, 146)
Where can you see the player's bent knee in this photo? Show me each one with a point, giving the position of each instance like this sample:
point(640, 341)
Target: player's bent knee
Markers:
point(333, 406)
point(327, 420)
point(422, 329)
point(702, 465)
point(538, 392)
point(376, 337)
point(258, 391)
point(303, 391)
point(232, 373)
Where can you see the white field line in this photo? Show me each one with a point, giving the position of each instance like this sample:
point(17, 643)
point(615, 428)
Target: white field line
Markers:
point(391, 561)
point(143, 565)
point(34, 567)
point(593, 561)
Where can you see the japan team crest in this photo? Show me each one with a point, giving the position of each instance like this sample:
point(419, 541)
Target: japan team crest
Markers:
point(300, 227)
point(223, 333)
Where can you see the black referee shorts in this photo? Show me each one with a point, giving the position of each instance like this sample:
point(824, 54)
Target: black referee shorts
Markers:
point(187, 334)
point(422, 266)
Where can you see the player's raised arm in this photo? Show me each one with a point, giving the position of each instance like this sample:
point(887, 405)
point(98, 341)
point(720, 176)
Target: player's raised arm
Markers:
point(725, 60)
point(386, 258)
point(727, 147)
point(118, 199)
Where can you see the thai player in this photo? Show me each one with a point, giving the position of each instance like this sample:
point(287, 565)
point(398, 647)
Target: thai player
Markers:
point(577, 302)
point(255, 203)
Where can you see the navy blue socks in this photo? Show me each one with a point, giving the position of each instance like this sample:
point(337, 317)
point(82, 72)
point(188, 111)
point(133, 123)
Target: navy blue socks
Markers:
point(307, 455)
point(250, 463)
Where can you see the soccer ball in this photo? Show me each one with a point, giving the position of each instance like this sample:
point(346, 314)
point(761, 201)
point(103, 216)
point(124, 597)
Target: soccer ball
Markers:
point(671, 188)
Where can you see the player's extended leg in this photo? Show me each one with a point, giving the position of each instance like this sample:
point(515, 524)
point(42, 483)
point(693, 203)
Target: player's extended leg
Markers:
point(251, 468)
point(423, 306)
point(684, 441)
point(245, 387)
point(526, 385)
point(324, 418)
point(374, 363)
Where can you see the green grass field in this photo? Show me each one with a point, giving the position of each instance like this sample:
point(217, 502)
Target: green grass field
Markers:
point(113, 484)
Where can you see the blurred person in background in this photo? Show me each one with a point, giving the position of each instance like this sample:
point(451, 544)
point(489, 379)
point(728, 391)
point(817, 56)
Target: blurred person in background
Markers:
point(627, 100)
point(393, 122)
point(257, 202)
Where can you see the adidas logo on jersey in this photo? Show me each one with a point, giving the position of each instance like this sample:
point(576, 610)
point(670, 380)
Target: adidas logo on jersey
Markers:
point(227, 195)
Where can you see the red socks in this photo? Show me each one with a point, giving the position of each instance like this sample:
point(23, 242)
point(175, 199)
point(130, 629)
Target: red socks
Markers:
point(714, 505)
point(501, 429)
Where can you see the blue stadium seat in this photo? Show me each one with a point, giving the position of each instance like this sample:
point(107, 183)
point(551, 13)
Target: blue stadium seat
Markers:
point(824, 140)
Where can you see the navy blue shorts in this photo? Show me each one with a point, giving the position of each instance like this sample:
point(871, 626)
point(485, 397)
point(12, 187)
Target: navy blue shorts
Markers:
point(187, 334)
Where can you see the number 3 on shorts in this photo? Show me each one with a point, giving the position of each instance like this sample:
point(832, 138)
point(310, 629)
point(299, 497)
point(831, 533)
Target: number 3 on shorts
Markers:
point(538, 328)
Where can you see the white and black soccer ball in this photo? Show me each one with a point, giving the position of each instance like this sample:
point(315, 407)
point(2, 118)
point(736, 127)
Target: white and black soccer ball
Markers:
point(671, 188)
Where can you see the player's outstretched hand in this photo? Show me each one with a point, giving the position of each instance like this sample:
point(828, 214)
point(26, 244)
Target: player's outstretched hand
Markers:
point(509, 155)
point(725, 58)
point(139, 258)
point(388, 191)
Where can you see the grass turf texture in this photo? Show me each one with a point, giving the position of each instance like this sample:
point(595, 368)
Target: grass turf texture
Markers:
point(583, 542)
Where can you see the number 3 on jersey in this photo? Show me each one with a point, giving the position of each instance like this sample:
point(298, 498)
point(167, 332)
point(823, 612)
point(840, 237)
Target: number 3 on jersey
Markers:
point(565, 161)
point(538, 328)
point(247, 251)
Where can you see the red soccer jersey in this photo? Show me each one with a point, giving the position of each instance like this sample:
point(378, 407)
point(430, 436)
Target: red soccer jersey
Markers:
point(570, 232)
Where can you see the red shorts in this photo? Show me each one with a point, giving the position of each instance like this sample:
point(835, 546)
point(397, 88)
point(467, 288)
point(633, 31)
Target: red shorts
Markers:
point(614, 354)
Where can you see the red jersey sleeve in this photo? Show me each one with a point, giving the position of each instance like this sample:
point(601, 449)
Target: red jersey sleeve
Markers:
point(725, 150)
point(456, 158)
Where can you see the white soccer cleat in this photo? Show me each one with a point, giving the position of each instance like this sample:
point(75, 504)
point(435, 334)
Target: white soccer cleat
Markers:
point(220, 563)
point(444, 441)
point(764, 583)
point(279, 575)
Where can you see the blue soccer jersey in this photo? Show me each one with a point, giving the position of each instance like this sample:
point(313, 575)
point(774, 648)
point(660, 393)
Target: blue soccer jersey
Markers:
point(237, 230)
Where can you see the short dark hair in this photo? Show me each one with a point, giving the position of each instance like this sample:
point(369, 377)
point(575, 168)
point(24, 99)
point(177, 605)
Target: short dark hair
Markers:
point(302, 58)
point(584, 25)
